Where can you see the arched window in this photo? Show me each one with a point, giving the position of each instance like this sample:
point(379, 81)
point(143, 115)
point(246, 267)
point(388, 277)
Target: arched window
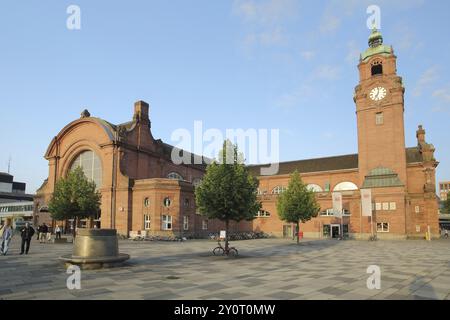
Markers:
point(377, 67)
point(263, 214)
point(314, 187)
point(278, 190)
point(167, 202)
point(345, 186)
point(91, 165)
point(174, 176)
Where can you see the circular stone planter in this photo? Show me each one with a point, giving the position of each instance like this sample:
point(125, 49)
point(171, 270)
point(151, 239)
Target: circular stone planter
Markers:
point(95, 249)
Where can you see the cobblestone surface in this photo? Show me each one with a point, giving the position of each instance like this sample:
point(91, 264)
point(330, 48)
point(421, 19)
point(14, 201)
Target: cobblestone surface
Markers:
point(265, 269)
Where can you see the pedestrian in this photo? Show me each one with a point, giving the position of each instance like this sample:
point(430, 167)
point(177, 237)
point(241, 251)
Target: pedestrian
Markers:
point(6, 235)
point(58, 232)
point(27, 234)
point(43, 233)
point(446, 233)
point(38, 231)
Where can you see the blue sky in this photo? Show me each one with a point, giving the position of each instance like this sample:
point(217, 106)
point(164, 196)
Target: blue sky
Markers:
point(232, 64)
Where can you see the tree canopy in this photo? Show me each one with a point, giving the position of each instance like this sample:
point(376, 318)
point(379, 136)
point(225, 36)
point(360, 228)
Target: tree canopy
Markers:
point(297, 204)
point(75, 197)
point(228, 191)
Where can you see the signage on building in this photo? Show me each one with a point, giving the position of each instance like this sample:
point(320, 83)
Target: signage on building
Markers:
point(366, 202)
point(337, 204)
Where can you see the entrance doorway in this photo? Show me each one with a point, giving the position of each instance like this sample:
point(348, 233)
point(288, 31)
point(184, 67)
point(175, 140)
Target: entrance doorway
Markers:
point(335, 231)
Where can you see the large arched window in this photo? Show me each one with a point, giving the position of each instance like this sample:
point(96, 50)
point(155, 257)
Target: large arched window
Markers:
point(346, 186)
point(91, 165)
point(278, 190)
point(174, 176)
point(314, 187)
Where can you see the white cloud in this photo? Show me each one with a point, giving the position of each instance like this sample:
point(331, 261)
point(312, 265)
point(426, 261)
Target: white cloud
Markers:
point(353, 53)
point(308, 55)
point(326, 72)
point(337, 10)
point(297, 97)
point(428, 77)
point(264, 21)
point(273, 37)
point(330, 23)
point(328, 135)
point(265, 12)
point(442, 94)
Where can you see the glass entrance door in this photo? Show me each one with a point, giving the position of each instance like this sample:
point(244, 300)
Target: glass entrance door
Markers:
point(335, 231)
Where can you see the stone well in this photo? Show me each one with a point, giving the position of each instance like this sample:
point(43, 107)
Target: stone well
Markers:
point(95, 249)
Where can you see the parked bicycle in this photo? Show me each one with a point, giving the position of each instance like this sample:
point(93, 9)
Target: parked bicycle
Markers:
point(373, 238)
point(220, 251)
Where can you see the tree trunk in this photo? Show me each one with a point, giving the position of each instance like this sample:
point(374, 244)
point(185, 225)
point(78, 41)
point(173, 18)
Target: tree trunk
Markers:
point(298, 232)
point(75, 226)
point(226, 235)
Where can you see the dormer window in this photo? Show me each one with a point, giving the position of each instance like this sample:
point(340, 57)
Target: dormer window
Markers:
point(377, 68)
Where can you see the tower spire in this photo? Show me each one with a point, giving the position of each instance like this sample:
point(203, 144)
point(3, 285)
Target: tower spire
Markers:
point(375, 38)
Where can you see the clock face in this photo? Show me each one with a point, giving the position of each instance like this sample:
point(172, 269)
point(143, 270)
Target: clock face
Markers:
point(378, 94)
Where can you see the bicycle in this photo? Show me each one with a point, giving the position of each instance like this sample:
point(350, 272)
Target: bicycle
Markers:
point(220, 251)
point(373, 238)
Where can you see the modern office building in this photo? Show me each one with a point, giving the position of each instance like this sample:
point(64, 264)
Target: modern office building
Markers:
point(14, 202)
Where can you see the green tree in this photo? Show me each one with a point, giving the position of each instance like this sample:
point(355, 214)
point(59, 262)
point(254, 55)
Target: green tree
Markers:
point(447, 205)
point(228, 191)
point(297, 204)
point(75, 197)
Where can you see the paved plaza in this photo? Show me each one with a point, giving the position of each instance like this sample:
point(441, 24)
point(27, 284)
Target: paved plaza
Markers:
point(265, 269)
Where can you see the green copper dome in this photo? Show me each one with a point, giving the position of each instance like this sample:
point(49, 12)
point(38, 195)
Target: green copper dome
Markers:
point(376, 46)
point(375, 38)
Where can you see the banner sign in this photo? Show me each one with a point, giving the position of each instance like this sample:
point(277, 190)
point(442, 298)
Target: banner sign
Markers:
point(337, 204)
point(366, 202)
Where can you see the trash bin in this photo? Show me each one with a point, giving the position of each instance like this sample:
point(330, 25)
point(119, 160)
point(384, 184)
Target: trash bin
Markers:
point(300, 234)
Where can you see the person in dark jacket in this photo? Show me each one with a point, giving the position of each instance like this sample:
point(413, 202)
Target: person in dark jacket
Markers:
point(27, 234)
point(38, 231)
point(43, 233)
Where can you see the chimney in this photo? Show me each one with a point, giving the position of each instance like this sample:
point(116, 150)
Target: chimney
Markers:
point(420, 134)
point(141, 112)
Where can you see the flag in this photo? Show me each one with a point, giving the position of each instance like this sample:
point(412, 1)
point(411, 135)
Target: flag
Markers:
point(337, 204)
point(366, 202)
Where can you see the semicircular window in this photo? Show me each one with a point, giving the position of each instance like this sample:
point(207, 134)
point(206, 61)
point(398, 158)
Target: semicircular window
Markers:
point(91, 165)
point(346, 186)
point(314, 187)
point(174, 176)
point(278, 190)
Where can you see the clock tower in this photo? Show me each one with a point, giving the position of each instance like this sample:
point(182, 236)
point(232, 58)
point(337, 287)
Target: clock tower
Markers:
point(379, 99)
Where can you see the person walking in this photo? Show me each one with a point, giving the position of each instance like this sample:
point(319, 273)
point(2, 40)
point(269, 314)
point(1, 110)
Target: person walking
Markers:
point(446, 234)
point(58, 232)
point(6, 235)
point(43, 233)
point(38, 232)
point(27, 234)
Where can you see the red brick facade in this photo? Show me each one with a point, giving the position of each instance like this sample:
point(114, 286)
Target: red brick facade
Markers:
point(135, 169)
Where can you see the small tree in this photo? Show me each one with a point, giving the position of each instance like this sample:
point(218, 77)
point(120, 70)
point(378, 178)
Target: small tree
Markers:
point(297, 204)
point(446, 208)
point(75, 197)
point(228, 191)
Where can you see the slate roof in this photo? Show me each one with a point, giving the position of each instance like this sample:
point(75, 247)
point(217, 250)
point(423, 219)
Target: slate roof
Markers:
point(330, 163)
